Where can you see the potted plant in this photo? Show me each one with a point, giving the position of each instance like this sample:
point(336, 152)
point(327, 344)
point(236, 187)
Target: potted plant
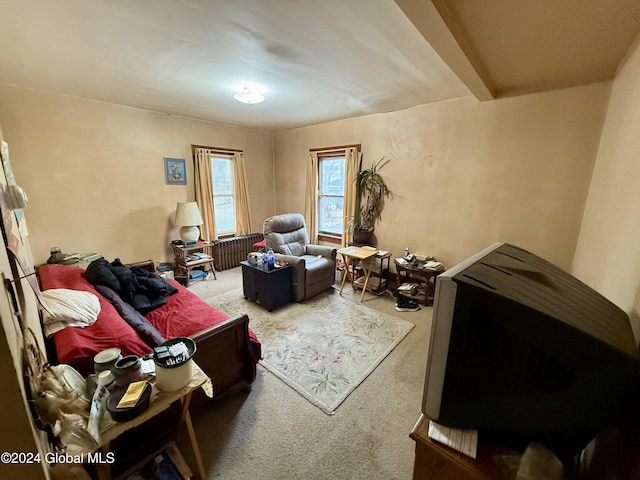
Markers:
point(371, 192)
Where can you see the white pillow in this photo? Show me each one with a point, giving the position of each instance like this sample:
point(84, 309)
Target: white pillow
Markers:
point(68, 308)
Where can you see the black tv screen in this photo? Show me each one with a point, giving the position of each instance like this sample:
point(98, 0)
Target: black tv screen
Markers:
point(522, 351)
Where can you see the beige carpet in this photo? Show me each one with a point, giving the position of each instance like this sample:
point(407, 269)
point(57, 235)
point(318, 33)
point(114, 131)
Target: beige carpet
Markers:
point(273, 433)
point(323, 348)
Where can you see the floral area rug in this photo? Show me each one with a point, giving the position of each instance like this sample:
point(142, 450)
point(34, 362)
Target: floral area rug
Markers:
point(323, 348)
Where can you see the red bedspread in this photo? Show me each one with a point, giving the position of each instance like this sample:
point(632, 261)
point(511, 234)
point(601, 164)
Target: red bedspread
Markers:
point(77, 346)
point(184, 315)
point(188, 314)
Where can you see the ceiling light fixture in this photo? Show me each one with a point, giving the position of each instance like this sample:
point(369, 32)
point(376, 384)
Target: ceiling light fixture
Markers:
point(249, 93)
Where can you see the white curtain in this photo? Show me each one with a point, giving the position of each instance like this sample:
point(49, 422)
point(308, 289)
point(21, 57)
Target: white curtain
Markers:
point(310, 204)
point(243, 209)
point(353, 159)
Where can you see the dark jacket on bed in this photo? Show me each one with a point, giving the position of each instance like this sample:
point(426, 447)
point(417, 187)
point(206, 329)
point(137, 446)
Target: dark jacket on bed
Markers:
point(142, 289)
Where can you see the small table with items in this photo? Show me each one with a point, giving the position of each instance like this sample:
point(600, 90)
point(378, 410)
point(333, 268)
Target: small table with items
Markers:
point(270, 287)
point(186, 259)
point(422, 272)
point(366, 255)
point(160, 401)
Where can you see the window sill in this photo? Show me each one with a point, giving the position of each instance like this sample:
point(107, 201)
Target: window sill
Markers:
point(329, 239)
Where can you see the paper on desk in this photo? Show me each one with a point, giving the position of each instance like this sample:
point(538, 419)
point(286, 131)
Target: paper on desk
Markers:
point(432, 265)
point(464, 441)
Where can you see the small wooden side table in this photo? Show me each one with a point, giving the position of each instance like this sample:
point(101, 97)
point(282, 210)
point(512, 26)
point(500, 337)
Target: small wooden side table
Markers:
point(366, 255)
point(379, 278)
point(159, 403)
point(426, 277)
point(182, 264)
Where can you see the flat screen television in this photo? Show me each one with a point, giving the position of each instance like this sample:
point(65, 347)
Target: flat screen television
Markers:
point(522, 351)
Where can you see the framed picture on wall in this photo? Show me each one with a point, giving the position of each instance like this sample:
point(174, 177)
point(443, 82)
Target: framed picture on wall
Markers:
point(175, 172)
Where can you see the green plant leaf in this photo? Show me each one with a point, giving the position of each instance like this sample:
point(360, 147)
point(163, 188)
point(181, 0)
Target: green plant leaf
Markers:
point(371, 192)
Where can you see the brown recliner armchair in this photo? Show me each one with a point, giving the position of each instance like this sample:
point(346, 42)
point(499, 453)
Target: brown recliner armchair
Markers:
point(314, 266)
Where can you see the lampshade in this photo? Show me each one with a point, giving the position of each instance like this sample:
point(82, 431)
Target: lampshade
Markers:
point(188, 216)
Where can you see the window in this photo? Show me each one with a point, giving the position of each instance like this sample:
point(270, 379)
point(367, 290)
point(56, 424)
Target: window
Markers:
point(224, 205)
point(331, 172)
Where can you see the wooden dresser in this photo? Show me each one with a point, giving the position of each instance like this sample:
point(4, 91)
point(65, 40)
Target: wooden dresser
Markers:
point(437, 461)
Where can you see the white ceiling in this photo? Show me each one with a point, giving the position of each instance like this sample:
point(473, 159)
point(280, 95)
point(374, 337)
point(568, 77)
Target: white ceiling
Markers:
point(319, 60)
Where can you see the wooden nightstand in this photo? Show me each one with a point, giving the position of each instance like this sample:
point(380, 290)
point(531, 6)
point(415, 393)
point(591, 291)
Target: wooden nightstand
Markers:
point(184, 259)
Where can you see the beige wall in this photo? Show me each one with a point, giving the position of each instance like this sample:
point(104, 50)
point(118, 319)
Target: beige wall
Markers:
point(18, 431)
point(465, 174)
point(94, 172)
point(608, 252)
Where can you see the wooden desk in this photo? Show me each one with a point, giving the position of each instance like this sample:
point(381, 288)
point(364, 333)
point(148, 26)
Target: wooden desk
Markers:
point(349, 255)
point(160, 401)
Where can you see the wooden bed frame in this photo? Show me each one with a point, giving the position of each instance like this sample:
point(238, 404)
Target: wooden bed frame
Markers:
point(224, 354)
point(223, 351)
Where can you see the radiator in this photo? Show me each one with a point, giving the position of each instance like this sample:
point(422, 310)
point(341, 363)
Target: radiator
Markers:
point(229, 252)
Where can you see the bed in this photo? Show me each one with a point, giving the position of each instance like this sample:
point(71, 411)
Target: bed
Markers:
point(227, 349)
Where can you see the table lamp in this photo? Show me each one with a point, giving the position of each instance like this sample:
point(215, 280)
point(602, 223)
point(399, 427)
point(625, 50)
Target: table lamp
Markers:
point(189, 218)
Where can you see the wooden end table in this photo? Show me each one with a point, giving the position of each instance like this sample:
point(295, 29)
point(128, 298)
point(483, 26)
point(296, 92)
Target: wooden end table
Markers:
point(425, 277)
point(182, 264)
point(160, 401)
point(353, 253)
point(271, 288)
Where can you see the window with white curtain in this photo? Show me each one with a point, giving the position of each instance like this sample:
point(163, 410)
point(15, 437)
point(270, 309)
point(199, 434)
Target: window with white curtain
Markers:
point(331, 172)
point(224, 202)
